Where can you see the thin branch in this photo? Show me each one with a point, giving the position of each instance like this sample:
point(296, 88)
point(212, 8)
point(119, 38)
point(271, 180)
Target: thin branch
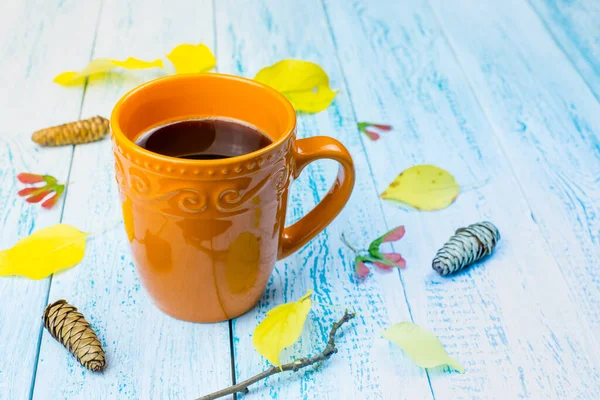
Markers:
point(293, 366)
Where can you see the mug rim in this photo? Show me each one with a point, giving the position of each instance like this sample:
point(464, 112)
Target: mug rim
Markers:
point(120, 137)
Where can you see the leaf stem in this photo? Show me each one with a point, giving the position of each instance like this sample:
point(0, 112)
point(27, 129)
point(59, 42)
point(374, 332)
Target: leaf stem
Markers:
point(294, 366)
point(345, 241)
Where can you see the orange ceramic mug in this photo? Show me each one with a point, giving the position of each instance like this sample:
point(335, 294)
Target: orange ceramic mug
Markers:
point(205, 234)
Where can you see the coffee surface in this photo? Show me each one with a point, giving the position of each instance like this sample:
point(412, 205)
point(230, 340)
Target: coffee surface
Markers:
point(203, 139)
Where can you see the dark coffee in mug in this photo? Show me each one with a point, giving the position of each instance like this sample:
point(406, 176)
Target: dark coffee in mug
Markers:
point(203, 139)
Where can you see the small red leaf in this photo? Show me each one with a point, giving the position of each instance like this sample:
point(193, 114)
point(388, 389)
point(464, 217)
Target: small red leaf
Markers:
point(51, 201)
point(396, 258)
point(38, 197)
point(26, 177)
point(371, 135)
point(27, 191)
point(385, 128)
point(392, 257)
point(383, 266)
point(395, 234)
point(361, 269)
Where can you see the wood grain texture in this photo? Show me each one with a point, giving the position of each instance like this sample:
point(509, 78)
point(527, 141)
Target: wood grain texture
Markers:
point(252, 35)
point(510, 320)
point(29, 44)
point(575, 28)
point(149, 354)
point(502, 97)
point(546, 120)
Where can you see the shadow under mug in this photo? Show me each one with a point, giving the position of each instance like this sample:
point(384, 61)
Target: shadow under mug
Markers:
point(205, 234)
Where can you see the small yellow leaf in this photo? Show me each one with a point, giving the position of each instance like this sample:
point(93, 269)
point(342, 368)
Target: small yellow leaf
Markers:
point(305, 84)
point(134, 63)
point(190, 58)
point(100, 65)
point(281, 328)
point(44, 252)
point(422, 346)
point(424, 187)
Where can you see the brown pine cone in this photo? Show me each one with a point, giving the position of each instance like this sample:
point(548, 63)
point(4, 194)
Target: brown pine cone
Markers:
point(84, 131)
point(70, 328)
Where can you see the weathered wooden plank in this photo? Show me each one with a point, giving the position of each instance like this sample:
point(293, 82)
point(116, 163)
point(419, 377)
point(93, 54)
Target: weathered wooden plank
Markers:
point(29, 44)
point(575, 27)
point(251, 35)
point(546, 121)
point(511, 320)
point(400, 70)
point(150, 355)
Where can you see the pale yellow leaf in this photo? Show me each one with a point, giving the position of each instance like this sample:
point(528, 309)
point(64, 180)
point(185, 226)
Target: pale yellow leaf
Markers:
point(305, 84)
point(190, 58)
point(312, 102)
point(134, 63)
point(281, 328)
point(100, 65)
point(424, 187)
point(44, 252)
point(422, 346)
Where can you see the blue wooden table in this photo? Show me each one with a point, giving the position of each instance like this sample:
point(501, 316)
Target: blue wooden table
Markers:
point(503, 94)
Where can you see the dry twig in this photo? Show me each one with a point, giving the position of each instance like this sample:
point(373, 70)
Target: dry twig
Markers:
point(293, 366)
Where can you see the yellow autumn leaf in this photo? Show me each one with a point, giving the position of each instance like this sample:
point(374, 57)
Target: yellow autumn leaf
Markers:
point(305, 84)
point(424, 187)
point(281, 328)
point(45, 252)
point(134, 63)
point(100, 65)
point(422, 346)
point(190, 58)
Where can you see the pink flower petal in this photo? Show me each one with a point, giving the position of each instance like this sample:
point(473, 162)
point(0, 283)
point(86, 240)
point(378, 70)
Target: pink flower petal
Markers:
point(26, 177)
point(48, 204)
point(361, 269)
point(395, 234)
point(396, 258)
point(392, 257)
point(38, 197)
point(383, 266)
point(383, 127)
point(372, 135)
point(27, 191)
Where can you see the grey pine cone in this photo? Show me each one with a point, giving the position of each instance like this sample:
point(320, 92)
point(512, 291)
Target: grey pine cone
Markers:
point(71, 329)
point(465, 247)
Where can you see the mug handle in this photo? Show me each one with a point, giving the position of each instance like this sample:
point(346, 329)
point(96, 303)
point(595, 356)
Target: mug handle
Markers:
point(306, 151)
